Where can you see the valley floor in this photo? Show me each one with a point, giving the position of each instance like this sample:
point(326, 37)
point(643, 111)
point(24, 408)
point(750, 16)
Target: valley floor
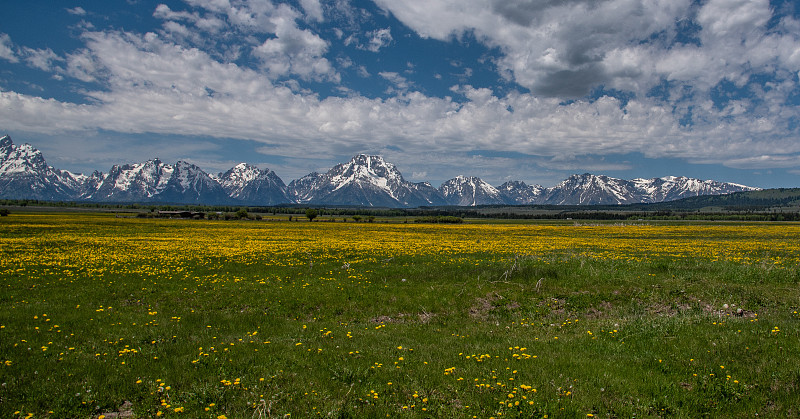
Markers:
point(124, 317)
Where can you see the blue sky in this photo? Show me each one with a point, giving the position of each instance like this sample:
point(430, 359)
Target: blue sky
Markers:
point(531, 90)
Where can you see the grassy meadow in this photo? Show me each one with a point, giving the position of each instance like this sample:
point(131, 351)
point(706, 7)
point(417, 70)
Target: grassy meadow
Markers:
point(114, 317)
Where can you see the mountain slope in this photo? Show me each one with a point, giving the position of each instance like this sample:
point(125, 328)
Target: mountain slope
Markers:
point(191, 185)
point(758, 200)
point(24, 174)
point(363, 181)
point(253, 186)
point(584, 189)
point(300, 190)
point(519, 193)
point(588, 189)
point(671, 188)
point(470, 191)
point(155, 181)
point(139, 182)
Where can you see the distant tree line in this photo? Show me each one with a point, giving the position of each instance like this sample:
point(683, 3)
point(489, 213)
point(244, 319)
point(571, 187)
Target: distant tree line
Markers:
point(751, 206)
point(734, 216)
point(439, 219)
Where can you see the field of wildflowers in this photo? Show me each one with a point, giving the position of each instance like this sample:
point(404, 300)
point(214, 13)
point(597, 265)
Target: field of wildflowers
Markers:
point(111, 317)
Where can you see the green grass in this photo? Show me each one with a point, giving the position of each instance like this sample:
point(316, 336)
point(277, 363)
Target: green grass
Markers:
point(563, 334)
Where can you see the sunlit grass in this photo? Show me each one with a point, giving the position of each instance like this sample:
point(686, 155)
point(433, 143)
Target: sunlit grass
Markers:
point(261, 319)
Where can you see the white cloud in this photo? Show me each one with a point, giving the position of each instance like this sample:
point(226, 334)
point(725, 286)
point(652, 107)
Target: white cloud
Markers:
point(378, 39)
point(286, 49)
point(78, 11)
point(401, 83)
point(180, 33)
point(7, 49)
point(162, 83)
point(82, 66)
point(554, 48)
point(296, 51)
point(207, 23)
point(164, 12)
point(159, 87)
point(350, 40)
point(733, 19)
point(252, 16)
point(43, 59)
point(347, 63)
point(585, 164)
point(220, 6)
point(313, 9)
point(567, 48)
point(766, 161)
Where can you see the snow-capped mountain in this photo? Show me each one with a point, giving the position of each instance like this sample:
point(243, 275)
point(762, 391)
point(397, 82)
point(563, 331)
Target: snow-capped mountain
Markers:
point(471, 191)
point(253, 186)
point(300, 190)
point(519, 193)
point(24, 174)
point(585, 189)
point(190, 184)
point(671, 188)
point(133, 182)
point(588, 189)
point(155, 181)
point(364, 181)
point(90, 184)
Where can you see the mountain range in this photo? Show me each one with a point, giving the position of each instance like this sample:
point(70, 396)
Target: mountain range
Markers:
point(365, 180)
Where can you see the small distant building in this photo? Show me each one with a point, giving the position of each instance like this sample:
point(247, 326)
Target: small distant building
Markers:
point(181, 214)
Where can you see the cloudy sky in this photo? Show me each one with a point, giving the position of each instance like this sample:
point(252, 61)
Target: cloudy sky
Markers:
point(531, 90)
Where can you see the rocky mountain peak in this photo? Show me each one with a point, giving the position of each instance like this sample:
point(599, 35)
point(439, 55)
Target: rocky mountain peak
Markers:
point(365, 180)
point(470, 191)
point(5, 142)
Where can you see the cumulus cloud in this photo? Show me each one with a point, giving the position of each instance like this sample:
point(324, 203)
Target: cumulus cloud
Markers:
point(568, 48)
point(733, 19)
point(164, 12)
point(313, 9)
point(156, 86)
point(286, 49)
point(295, 51)
point(7, 49)
point(555, 48)
point(207, 23)
point(169, 82)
